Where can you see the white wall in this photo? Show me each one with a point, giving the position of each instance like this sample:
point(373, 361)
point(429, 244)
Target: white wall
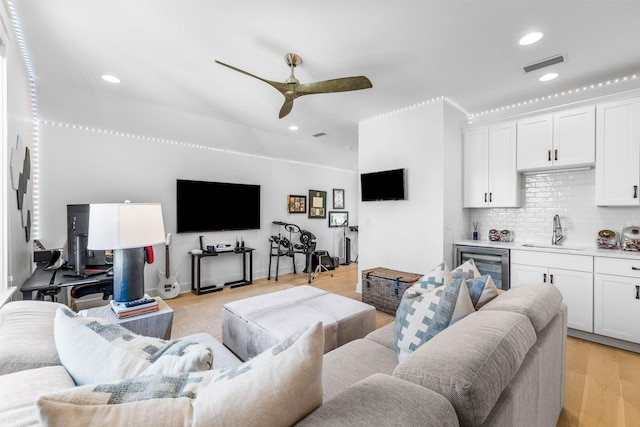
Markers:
point(19, 123)
point(83, 166)
point(416, 234)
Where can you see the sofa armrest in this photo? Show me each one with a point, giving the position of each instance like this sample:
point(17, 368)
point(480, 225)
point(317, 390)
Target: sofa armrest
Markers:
point(384, 400)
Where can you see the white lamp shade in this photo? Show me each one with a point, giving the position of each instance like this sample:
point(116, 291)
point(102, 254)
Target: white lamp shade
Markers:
point(125, 225)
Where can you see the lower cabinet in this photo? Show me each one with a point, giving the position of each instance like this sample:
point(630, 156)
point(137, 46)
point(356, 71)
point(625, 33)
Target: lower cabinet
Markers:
point(574, 281)
point(617, 298)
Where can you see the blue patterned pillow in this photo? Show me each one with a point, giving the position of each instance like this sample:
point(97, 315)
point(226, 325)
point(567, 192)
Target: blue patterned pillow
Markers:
point(482, 290)
point(439, 276)
point(420, 317)
point(467, 270)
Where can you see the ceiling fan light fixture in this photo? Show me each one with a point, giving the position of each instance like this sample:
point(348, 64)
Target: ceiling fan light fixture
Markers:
point(111, 79)
point(530, 38)
point(548, 76)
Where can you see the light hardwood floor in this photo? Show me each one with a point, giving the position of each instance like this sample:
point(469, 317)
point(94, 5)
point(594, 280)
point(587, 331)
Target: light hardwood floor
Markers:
point(602, 383)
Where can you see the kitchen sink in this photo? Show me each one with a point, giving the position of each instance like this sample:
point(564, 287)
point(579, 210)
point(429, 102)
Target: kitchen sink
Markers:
point(553, 247)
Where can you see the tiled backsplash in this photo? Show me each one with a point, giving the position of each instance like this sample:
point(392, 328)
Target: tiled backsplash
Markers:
point(570, 194)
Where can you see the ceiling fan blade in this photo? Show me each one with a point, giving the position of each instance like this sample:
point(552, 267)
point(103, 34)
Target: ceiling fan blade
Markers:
point(286, 107)
point(344, 84)
point(280, 87)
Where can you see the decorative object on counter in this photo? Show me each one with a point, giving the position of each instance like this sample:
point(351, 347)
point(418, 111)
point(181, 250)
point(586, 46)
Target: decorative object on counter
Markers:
point(630, 239)
point(494, 235)
point(475, 231)
point(607, 239)
point(505, 236)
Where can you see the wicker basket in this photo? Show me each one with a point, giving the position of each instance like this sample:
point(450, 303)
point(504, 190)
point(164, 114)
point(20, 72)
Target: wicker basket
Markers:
point(383, 288)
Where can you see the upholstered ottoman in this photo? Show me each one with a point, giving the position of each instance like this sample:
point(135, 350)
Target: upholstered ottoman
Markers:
point(252, 325)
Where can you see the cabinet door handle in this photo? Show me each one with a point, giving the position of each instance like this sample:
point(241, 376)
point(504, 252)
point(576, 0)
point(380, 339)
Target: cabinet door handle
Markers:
point(637, 291)
point(556, 154)
point(491, 197)
point(635, 268)
point(485, 197)
point(544, 278)
point(635, 191)
point(549, 155)
point(551, 277)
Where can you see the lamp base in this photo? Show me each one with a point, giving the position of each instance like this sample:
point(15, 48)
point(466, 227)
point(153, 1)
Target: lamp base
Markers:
point(128, 274)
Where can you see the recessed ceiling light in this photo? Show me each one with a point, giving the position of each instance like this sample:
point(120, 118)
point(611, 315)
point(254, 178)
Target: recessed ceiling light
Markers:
point(548, 76)
point(293, 127)
point(530, 38)
point(111, 79)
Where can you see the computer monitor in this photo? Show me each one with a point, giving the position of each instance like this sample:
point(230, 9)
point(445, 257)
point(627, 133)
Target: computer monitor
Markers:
point(79, 256)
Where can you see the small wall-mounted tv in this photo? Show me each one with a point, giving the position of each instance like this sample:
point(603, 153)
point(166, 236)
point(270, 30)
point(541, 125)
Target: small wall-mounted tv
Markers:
point(216, 206)
point(383, 185)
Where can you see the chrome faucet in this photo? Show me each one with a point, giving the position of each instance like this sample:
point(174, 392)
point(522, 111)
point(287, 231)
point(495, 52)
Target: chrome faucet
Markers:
point(557, 230)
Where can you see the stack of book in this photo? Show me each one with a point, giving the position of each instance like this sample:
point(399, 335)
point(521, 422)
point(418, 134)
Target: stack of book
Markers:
point(135, 307)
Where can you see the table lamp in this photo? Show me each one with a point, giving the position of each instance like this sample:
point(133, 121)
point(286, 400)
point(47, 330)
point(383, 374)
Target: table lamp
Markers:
point(126, 228)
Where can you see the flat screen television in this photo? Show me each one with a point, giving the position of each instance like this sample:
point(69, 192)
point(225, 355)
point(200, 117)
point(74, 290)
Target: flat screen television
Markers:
point(216, 206)
point(383, 185)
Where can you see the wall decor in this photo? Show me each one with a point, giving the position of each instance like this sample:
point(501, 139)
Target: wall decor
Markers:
point(338, 219)
point(20, 170)
point(297, 204)
point(317, 204)
point(338, 198)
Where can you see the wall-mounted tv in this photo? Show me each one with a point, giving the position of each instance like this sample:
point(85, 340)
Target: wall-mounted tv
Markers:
point(216, 206)
point(383, 185)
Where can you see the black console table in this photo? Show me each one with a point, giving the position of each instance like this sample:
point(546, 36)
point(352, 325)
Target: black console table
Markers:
point(195, 270)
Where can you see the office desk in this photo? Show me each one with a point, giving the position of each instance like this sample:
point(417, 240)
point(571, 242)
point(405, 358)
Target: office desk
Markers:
point(50, 282)
point(195, 270)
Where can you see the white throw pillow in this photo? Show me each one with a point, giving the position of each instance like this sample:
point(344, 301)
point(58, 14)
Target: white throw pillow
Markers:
point(466, 270)
point(277, 388)
point(94, 351)
point(482, 290)
point(439, 276)
point(421, 316)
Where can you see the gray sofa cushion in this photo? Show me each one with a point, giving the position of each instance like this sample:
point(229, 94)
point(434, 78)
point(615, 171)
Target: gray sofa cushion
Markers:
point(383, 336)
point(26, 334)
point(353, 362)
point(473, 362)
point(538, 302)
point(385, 401)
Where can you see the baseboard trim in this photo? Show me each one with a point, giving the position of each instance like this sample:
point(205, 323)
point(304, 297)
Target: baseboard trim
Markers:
point(601, 339)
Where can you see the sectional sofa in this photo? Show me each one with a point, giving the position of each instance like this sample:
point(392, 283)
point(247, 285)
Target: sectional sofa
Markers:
point(503, 365)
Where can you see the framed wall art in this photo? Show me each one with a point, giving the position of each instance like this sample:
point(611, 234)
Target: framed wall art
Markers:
point(297, 204)
point(338, 198)
point(338, 219)
point(317, 204)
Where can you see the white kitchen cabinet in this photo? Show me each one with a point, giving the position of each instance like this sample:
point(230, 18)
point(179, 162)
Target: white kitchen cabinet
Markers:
point(565, 139)
point(618, 153)
point(490, 176)
point(617, 298)
point(571, 274)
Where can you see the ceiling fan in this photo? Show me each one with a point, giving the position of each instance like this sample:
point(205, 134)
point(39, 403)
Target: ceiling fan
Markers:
point(292, 88)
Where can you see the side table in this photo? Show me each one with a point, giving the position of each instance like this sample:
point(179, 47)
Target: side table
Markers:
point(155, 324)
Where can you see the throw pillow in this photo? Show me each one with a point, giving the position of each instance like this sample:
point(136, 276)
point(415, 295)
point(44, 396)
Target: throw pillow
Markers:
point(466, 270)
point(94, 350)
point(421, 317)
point(277, 388)
point(482, 290)
point(439, 276)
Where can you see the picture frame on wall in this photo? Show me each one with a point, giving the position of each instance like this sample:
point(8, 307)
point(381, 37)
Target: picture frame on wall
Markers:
point(317, 204)
point(338, 198)
point(296, 204)
point(338, 219)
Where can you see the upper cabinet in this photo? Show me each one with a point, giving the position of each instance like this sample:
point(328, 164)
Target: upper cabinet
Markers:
point(490, 175)
point(618, 153)
point(564, 139)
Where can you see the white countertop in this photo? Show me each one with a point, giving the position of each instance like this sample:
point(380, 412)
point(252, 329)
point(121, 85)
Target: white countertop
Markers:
point(562, 249)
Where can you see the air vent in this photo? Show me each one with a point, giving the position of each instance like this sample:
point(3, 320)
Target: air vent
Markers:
point(544, 63)
point(318, 135)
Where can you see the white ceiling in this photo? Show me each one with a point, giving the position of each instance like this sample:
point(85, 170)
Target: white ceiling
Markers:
point(412, 51)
